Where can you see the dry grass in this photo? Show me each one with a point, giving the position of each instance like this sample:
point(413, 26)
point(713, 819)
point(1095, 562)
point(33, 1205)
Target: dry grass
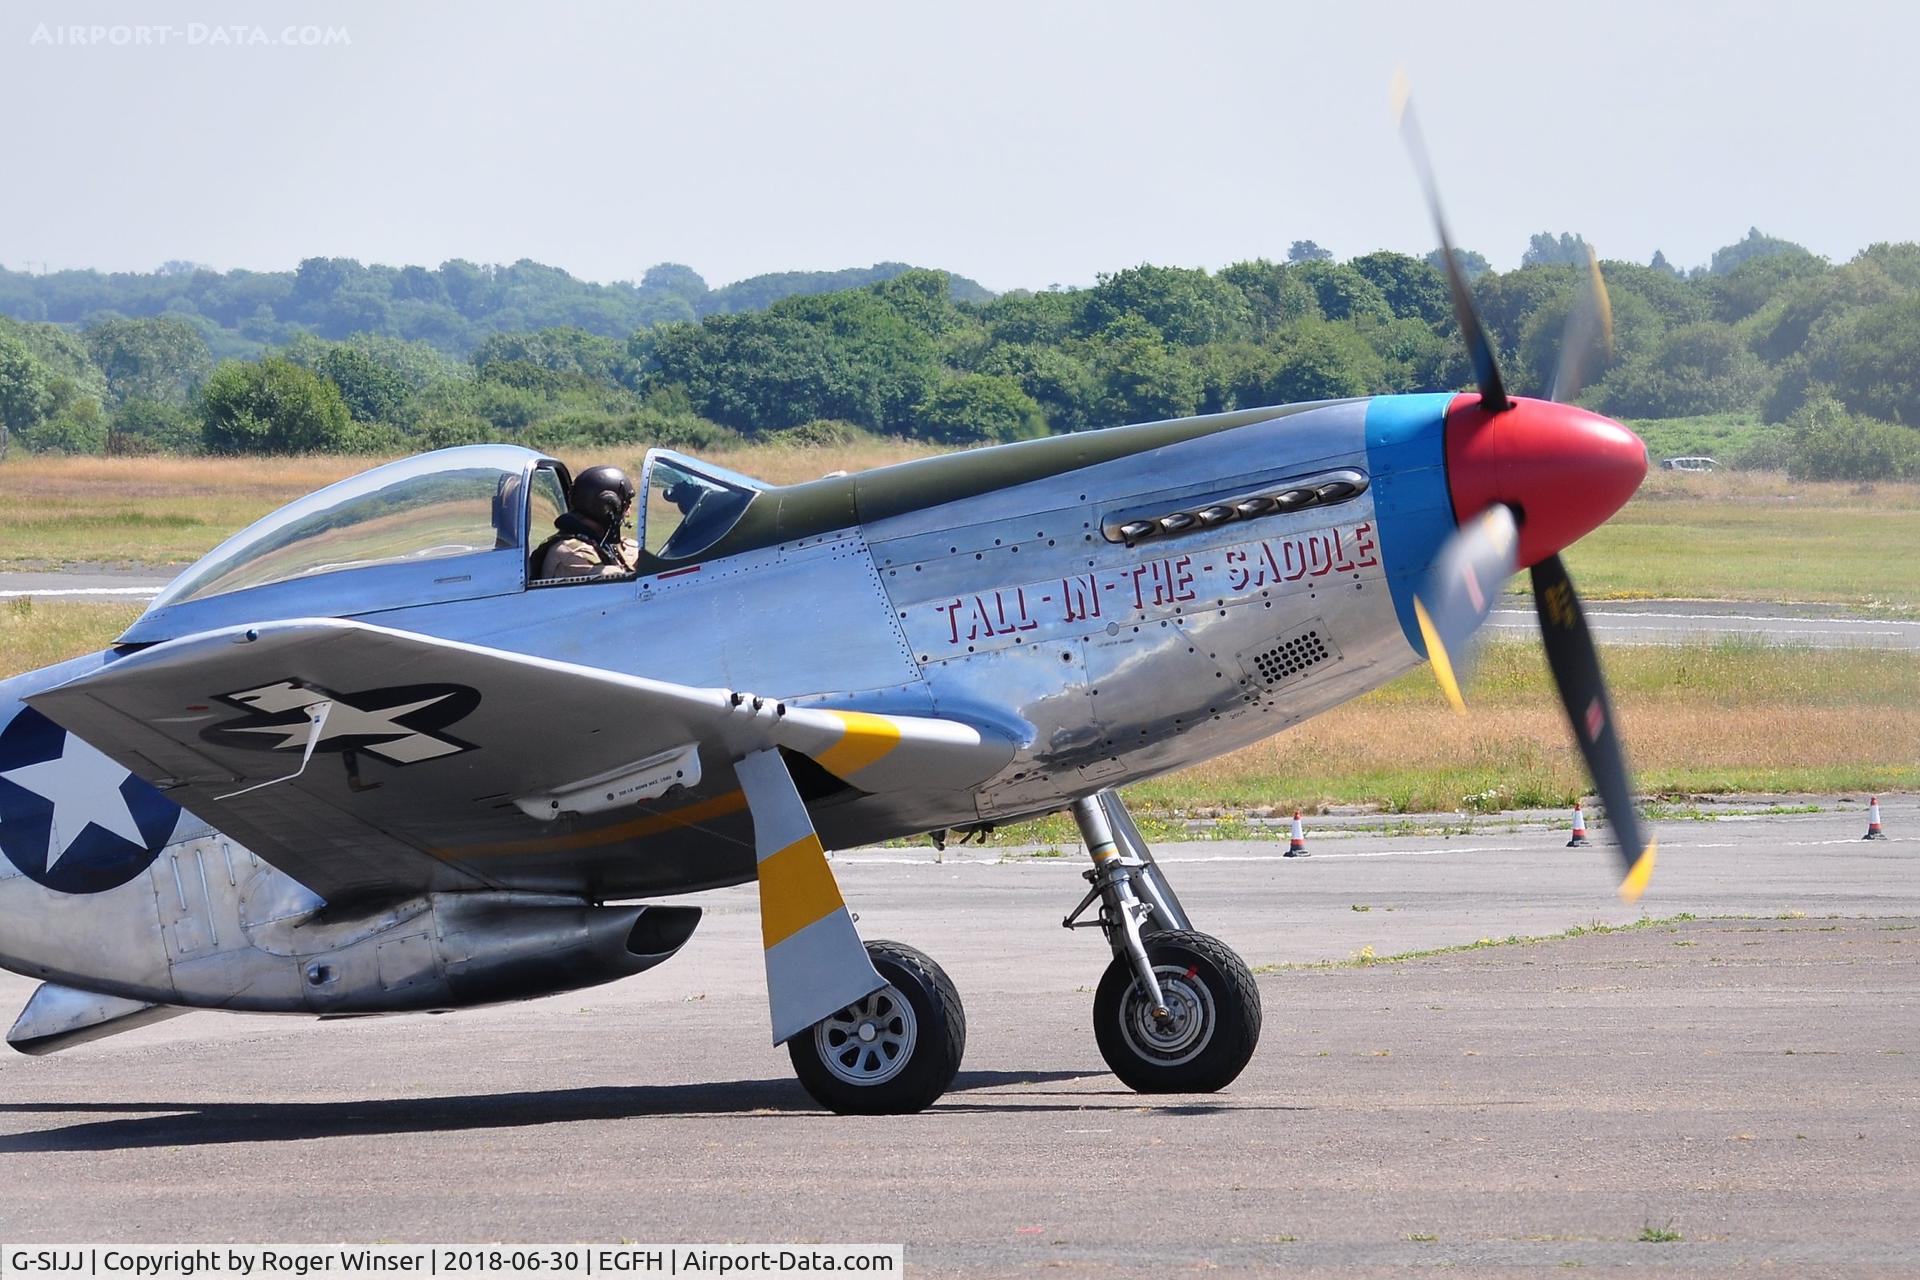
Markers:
point(276, 479)
point(1430, 760)
point(34, 634)
point(1697, 718)
point(159, 511)
point(1723, 535)
point(778, 465)
point(144, 479)
point(1775, 486)
point(57, 511)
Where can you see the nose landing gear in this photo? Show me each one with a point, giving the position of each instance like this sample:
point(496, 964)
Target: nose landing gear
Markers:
point(1177, 1011)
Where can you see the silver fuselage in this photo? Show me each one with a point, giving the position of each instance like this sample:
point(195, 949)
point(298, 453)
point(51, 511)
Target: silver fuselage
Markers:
point(991, 592)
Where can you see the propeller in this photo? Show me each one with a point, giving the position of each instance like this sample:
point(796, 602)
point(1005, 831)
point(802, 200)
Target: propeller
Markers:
point(1473, 564)
point(1583, 692)
point(1460, 590)
point(1589, 334)
point(1486, 369)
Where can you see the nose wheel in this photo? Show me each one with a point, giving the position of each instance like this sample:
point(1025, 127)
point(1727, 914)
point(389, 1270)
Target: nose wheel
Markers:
point(1211, 1024)
point(1177, 1011)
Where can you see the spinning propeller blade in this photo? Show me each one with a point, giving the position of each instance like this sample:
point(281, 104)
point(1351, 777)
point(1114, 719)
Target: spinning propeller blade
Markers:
point(1587, 341)
point(1460, 589)
point(1583, 691)
point(1486, 369)
point(1484, 551)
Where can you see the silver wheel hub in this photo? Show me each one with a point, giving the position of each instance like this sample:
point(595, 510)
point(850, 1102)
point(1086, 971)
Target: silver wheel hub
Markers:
point(1180, 1036)
point(870, 1041)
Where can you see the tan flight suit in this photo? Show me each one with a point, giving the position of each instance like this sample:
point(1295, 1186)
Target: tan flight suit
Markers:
point(576, 558)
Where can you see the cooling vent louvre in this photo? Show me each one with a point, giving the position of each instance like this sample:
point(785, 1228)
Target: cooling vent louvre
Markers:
point(1288, 658)
point(1325, 489)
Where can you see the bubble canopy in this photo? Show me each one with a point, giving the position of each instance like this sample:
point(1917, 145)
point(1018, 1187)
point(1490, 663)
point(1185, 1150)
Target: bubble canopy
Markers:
point(436, 506)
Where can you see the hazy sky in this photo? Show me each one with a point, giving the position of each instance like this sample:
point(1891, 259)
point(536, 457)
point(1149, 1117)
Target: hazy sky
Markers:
point(1021, 144)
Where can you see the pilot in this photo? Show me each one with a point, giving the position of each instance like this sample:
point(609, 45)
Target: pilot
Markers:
point(588, 543)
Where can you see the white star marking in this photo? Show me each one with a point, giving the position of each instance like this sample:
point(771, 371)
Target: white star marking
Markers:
point(348, 721)
point(84, 787)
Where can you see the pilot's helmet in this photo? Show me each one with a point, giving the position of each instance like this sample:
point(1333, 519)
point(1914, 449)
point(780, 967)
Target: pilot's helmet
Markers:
point(602, 494)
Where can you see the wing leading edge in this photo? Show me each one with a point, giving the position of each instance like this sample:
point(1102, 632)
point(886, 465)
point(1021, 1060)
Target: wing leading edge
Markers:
point(360, 760)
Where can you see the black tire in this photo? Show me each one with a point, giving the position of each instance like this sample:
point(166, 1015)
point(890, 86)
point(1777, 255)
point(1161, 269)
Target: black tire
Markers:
point(1216, 1023)
point(867, 1080)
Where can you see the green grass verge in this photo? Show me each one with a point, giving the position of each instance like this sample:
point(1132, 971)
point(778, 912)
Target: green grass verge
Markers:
point(1763, 550)
point(1720, 436)
point(1365, 958)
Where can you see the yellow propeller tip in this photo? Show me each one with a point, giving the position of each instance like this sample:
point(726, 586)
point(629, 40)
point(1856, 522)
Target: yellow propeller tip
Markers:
point(1505, 534)
point(1602, 301)
point(1437, 655)
point(1400, 92)
point(1636, 882)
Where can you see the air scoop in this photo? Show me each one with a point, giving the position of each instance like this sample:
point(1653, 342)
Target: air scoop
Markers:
point(1563, 469)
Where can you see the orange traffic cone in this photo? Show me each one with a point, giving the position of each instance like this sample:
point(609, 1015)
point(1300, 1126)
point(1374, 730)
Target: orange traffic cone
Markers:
point(1297, 843)
point(1579, 840)
point(1873, 821)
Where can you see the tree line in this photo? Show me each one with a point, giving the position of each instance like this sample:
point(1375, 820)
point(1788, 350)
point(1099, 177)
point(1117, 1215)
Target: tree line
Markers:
point(452, 308)
point(1830, 350)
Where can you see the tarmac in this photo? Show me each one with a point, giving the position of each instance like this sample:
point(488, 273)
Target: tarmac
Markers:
point(1736, 1070)
point(1688, 621)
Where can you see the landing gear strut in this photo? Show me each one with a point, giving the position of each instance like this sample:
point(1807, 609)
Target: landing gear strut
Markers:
point(873, 1028)
point(1177, 1011)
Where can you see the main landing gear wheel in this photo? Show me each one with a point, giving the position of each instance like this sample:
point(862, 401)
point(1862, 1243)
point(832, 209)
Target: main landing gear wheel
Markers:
point(890, 1053)
point(1213, 1022)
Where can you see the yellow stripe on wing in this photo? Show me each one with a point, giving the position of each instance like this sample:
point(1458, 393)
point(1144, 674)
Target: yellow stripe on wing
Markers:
point(867, 738)
point(649, 824)
point(797, 889)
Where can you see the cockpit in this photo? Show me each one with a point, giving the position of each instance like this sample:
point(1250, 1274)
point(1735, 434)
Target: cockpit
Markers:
point(449, 525)
point(688, 505)
point(427, 508)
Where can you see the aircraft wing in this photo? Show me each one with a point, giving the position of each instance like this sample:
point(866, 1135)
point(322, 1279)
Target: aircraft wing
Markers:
point(350, 755)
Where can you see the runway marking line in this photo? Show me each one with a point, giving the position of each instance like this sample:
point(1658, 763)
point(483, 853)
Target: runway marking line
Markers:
point(856, 858)
point(1492, 848)
point(148, 592)
point(1594, 615)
